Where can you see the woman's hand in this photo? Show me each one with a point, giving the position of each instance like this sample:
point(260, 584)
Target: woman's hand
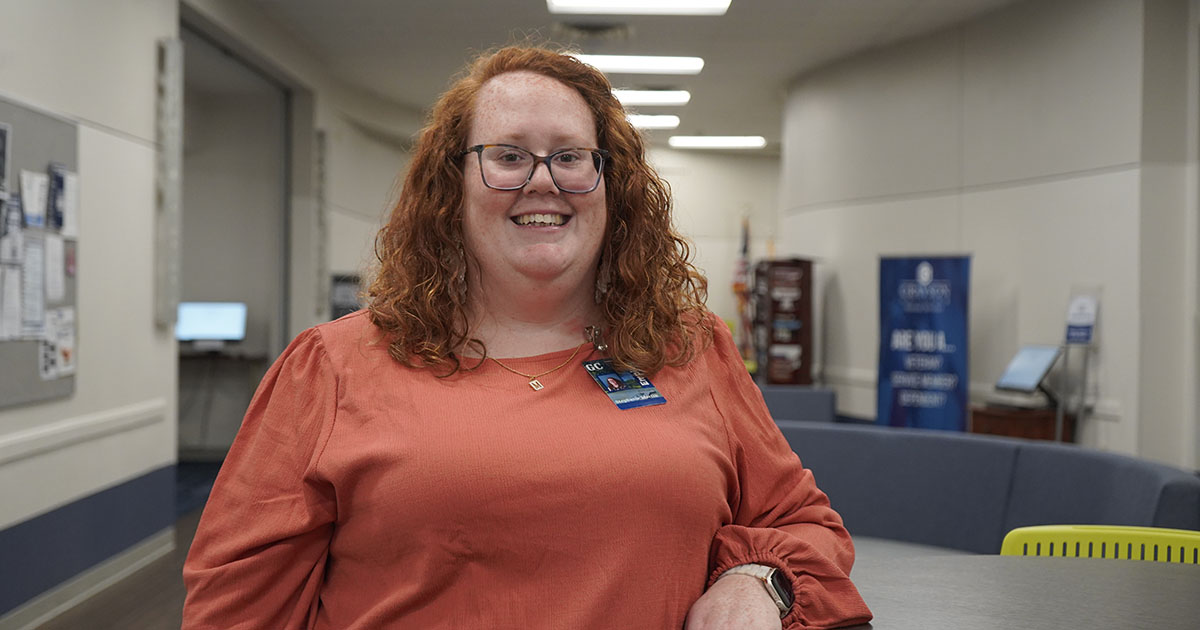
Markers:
point(734, 602)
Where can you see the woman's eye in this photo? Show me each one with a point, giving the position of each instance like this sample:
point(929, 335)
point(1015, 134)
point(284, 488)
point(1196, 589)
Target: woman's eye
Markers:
point(568, 158)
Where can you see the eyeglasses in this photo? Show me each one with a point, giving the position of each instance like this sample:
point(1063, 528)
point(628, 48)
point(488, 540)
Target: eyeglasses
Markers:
point(508, 167)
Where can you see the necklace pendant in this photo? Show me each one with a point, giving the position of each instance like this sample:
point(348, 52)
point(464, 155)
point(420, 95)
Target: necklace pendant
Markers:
point(536, 385)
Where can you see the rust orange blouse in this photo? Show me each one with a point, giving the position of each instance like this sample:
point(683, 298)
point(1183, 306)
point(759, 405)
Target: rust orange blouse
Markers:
point(362, 494)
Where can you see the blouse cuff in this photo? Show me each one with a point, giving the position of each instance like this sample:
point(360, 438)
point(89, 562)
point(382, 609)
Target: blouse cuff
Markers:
point(824, 596)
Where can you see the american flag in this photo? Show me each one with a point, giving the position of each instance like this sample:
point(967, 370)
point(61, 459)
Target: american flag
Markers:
point(744, 335)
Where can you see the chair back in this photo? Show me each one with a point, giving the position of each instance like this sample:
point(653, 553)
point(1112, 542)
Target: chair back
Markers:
point(1154, 544)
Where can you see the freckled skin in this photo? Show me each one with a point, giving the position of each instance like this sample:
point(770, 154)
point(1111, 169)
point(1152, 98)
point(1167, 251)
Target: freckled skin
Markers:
point(542, 115)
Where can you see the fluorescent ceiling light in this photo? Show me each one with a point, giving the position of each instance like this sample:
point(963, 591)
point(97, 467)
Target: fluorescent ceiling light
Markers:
point(638, 64)
point(652, 97)
point(639, 7)
point(644, 121)
point(717, 142)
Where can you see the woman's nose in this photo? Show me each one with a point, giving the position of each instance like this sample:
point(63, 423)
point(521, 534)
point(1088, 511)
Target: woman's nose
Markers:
point(540, 179)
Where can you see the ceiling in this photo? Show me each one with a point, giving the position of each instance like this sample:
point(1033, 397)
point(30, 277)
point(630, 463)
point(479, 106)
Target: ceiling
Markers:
point(405, 51)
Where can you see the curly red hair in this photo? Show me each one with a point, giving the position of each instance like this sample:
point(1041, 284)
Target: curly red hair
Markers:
point(654, 306)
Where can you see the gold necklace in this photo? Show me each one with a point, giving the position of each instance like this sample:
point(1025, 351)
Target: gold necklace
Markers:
point(533, 378)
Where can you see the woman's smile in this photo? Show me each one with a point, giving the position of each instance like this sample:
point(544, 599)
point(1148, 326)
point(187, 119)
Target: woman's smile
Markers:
point(541, 219)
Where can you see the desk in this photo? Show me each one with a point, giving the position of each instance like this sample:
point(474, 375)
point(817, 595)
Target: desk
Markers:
point(1036, 424)
point(970, 592)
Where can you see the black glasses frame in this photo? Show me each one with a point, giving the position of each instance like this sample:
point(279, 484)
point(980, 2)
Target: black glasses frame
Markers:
point(598, 154)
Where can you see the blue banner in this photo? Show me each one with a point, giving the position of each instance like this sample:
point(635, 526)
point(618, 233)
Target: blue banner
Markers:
point(923, 342)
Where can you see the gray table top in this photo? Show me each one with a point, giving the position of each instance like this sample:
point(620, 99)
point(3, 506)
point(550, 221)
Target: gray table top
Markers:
point(969, 592)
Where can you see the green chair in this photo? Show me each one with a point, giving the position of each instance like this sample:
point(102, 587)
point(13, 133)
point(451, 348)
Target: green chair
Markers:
point(1154, 544)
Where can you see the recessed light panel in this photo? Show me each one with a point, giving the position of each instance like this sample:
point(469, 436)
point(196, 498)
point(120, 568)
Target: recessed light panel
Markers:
point(717, 142)
point(641, 64)
point(658, 121)
point(639, 7)
point(652, 97)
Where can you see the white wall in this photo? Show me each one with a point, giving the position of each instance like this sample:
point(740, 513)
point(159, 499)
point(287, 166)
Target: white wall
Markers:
point(95, 64)
point(712, 193)
point(360, 166)
point(233, 208)
point(1168, 234)
point(364, 174)
point(1017, 138)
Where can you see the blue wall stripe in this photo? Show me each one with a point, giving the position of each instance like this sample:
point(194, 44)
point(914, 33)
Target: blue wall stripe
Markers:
point(44, 551)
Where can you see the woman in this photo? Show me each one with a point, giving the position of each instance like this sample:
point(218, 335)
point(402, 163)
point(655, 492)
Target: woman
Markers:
point(451, 458)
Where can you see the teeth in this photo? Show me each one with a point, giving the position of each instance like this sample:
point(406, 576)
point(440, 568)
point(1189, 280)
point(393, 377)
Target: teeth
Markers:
point(540, 219)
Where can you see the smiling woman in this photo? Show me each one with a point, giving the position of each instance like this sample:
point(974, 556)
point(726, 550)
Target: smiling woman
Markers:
point(394, 472)
point(652, 298)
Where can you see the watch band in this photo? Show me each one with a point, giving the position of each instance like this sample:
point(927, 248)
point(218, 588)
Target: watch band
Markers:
point(773, 580)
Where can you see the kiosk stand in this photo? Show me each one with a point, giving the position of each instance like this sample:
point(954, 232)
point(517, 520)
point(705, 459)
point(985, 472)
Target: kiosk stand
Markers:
point(1026, 375)
point(1081, 324)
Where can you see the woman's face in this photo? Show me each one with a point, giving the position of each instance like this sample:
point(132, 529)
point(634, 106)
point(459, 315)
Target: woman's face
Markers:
point(562, 248)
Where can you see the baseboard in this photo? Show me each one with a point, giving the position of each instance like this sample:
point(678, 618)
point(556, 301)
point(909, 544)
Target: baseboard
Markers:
point(42, 553)
point(69, 594)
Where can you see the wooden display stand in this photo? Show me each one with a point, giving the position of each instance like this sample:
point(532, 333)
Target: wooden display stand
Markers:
point(783, 321)
point(1036, 424)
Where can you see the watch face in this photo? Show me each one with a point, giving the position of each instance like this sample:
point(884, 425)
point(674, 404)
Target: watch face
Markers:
point(781, 586)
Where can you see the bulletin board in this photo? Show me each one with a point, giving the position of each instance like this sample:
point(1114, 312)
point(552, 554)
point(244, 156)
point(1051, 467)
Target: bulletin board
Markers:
point(38, 250)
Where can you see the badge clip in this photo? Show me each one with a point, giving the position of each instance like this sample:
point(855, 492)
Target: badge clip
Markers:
point(597, 339)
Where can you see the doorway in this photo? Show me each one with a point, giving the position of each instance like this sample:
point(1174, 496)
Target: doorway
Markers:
point(233, 247)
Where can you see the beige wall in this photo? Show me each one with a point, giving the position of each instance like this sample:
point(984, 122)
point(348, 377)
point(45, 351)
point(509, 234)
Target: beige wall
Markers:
point(364, 175)
point(361, 159)
point(712, 192)
point(94, 63)
point(1020, 138)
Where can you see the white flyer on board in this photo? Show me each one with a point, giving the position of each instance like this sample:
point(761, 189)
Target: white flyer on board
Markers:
point(56, 282)
point(70, 205)
point(10, 302)
point(35, 187)
point(12, 235)
point(33, 290)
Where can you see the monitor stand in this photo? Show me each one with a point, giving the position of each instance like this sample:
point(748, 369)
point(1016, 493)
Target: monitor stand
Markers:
point(208, 345)
point(1008, 399)
point(1049, 395)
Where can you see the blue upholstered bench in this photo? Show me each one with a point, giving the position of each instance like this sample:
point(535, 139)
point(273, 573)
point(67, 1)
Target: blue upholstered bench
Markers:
point(800, 402)
point(964, 491)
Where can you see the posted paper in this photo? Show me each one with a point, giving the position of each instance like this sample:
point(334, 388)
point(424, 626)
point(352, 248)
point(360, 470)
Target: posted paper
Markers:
point(34, 188)
point(56, 356)
point(5, 143)
point(70, 205)
point(10, 302)
point(56, 285)
point(12, 235)
point(33, 290)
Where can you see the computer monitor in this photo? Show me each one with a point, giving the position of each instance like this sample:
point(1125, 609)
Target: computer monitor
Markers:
point(211, 321)
point(1027, 369)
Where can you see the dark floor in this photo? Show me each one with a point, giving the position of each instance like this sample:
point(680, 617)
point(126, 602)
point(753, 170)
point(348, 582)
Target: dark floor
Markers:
point(193, 482)
point(152, 598)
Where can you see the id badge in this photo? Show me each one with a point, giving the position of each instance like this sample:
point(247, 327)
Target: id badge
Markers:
point(626, 389)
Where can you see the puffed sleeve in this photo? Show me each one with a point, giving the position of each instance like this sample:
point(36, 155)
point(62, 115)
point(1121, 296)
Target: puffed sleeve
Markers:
point(258, 558)
point(780, 518)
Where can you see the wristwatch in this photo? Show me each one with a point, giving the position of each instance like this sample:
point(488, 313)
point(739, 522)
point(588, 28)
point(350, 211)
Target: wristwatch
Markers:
point(773, 580)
